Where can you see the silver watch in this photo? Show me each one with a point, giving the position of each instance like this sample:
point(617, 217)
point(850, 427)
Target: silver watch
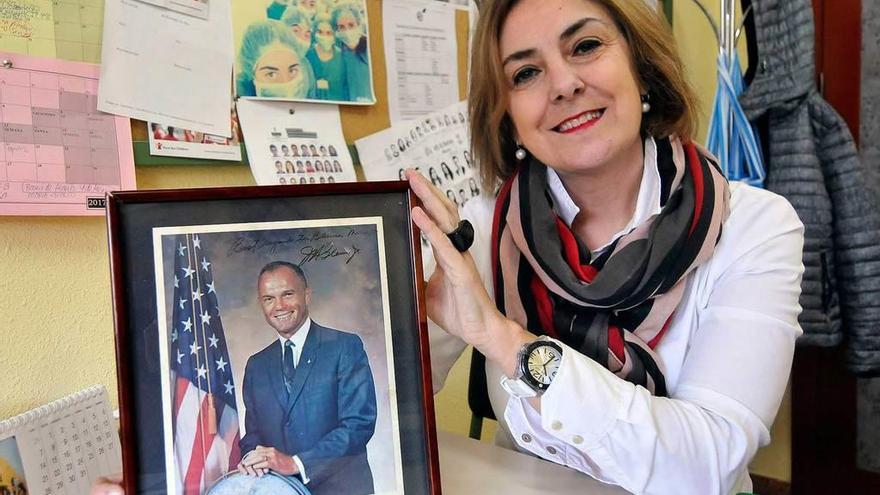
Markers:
point(537, 365)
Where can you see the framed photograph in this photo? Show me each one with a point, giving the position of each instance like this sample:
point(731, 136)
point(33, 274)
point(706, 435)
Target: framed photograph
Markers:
point(256, 335)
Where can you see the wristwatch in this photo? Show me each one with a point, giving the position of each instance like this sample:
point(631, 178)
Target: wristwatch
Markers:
point(537, 364)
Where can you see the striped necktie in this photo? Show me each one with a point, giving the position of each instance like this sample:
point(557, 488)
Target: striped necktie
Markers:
point(287, 365)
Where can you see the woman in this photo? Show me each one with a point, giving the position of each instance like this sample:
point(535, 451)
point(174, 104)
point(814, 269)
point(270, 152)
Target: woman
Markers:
point(347, 21)
point(673, 337)
point(300, 26)
point(325, 57)
point(670, 339)
point(271, 65)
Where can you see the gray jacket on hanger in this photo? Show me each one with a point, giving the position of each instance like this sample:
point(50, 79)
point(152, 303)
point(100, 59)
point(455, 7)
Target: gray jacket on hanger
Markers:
point(814, 164)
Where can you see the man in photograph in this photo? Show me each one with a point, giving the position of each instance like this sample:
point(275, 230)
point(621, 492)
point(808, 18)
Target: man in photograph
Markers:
point(309, 395)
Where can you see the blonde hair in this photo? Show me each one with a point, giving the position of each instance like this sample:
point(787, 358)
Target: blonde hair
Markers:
point(654, 57)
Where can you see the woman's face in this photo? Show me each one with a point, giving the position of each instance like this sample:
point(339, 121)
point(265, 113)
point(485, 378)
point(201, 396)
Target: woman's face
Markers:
point(347, 27)
point(302, 31)
point(573, 92)
point(325, 35)
point(279, 64)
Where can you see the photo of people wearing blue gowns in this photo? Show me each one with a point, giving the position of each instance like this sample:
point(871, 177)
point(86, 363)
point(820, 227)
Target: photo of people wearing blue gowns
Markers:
point(304, 50)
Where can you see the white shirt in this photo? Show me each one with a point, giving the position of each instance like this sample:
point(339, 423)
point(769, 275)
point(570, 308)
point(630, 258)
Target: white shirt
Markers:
point(726, 359)
point(298, 340)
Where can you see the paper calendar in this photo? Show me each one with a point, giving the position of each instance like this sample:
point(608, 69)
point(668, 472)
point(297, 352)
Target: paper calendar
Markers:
point(58, 154)
point(61, 447)
point(65, 29)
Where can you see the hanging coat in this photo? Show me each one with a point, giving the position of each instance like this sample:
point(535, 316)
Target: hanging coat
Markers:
point(812, 161)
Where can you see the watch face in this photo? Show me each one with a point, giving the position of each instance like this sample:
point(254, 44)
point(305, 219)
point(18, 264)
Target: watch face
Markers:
point(543, 363)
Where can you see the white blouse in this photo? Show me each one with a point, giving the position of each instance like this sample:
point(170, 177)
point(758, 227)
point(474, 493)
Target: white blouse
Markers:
point(726, 359)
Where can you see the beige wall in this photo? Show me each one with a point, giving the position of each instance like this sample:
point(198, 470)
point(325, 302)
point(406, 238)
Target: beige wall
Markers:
point(56, 331)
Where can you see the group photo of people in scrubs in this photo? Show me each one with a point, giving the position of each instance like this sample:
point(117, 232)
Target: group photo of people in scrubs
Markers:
point(306, 50)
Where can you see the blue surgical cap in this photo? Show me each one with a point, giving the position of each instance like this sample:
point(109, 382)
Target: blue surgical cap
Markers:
point(259, 36)
point(294, 16)
point(346, 8)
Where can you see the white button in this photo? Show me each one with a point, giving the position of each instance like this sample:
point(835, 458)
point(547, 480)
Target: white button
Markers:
point(577, 439)
point(556, 425)
point(526, 437)
point(551, 450)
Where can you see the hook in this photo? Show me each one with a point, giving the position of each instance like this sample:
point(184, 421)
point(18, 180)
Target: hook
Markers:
point(708, 18)
point(742, 22)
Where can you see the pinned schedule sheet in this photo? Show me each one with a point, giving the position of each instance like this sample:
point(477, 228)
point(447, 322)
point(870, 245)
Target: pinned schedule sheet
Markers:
point(58, 154)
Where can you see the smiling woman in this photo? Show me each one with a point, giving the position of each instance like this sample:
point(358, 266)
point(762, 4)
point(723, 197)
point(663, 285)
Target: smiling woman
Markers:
point(617, 284)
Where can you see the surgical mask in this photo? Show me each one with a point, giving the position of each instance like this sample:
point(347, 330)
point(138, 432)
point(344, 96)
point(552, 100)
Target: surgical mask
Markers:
point(325, 42)
point(290, 89)
point(302, 45)
point(350, 37)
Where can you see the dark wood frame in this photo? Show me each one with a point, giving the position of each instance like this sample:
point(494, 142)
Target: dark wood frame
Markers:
point(120, 256)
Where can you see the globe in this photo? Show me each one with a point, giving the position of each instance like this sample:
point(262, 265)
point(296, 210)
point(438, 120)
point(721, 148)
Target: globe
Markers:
point(235, 483)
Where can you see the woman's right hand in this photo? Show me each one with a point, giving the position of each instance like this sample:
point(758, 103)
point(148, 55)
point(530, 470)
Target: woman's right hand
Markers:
point(456, 298)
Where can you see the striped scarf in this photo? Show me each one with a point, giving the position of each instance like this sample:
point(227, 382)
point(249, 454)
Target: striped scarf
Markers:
point(616, 307)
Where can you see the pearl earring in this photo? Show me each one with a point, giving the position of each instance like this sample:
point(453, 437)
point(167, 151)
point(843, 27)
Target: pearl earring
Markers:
point(646, 104)
point(520, 152)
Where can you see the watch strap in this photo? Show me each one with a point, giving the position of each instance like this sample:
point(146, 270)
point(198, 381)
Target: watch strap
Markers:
point(517, 388)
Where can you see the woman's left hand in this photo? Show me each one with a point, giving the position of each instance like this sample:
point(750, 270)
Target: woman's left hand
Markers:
point(111, 485)
point(456, 297)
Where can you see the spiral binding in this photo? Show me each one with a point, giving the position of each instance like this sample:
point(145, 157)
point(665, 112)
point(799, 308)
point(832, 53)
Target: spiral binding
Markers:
point(16, 422)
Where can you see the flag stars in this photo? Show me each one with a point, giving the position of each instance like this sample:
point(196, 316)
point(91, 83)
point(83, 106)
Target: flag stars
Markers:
point(187, 325)
point(197, 295)
point(176, 282)
point(213, 340)
point(206, 318)
point(194, 348)
point(181, 249)
point(203, 373)
point(174, 335)
point(197, 243)
point(179, 356)
point(229, 387)
point(205, 264)
point(182, 302)
point(187, 271)
point(221, 364)
point(211, 287)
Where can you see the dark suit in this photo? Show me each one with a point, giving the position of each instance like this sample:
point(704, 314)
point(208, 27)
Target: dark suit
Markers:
point(327, 418)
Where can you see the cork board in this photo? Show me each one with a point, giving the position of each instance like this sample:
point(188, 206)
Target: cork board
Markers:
point(357, 121)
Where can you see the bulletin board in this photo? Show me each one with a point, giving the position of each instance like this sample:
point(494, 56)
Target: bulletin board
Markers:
point(357, 121)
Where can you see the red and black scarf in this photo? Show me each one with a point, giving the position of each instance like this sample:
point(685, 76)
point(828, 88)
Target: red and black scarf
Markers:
point(614, 307)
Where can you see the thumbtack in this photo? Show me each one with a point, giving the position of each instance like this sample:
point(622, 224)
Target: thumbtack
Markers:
point(7, 64)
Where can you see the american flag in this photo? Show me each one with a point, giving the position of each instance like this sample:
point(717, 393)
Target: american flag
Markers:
point(205, 417)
